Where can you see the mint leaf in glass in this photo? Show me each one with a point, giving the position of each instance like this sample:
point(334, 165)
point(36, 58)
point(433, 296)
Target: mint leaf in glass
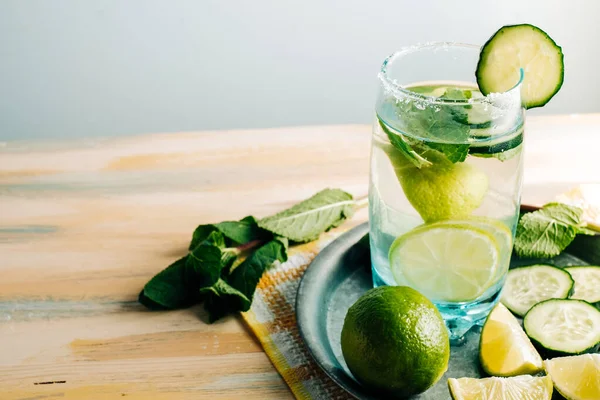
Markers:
point(548, 231)
point(434, 122)
point(453, 152)
point(421, 124)
point(402, 145)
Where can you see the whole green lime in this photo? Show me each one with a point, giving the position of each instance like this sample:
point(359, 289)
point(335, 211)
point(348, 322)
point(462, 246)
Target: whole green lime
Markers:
point(395, 342)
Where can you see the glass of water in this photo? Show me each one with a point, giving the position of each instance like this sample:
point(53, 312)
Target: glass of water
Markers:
point(445, 181)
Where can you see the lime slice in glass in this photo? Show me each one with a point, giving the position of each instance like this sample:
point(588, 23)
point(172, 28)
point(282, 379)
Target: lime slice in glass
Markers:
point(446, 261)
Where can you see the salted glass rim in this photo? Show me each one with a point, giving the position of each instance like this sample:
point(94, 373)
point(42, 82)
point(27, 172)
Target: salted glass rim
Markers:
point(397, 89)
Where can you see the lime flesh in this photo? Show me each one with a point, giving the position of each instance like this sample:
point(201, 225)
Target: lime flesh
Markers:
point(576, 377)
point(523, 387)
point(442, 190)
point(505, 349)
point(446, 261)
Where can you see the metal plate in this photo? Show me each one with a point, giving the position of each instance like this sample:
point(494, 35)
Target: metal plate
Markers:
point(336, 278)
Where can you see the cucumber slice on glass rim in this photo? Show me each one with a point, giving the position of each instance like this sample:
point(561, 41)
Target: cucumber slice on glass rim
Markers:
point(526, 47)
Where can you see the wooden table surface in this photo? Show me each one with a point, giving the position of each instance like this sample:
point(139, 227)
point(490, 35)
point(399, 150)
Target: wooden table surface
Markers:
point(85, 223)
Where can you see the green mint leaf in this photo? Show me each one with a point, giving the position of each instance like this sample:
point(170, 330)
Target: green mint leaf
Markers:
point(172, 288)
point(238, 232)
point(430, 125)
point(453, 152)
point(306, 220)
point(209, 258)
point(222, 299)
point(459, 95)
point(547, 232)
point(246, 276)
point(402, 145)
point(234, 293)
point(433, 123)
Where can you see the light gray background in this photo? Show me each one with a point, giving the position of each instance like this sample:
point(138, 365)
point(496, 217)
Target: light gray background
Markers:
point(116, 67)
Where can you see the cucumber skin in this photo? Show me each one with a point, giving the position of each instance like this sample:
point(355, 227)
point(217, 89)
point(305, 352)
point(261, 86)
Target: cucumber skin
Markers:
point(482, 59)
point(497, 148)
point(547, 352)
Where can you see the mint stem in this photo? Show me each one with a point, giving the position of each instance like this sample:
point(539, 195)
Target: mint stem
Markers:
point(361, 202)
point(250, 245)
point(358, 204)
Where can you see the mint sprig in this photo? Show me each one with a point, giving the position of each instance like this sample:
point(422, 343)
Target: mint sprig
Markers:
point(548, 231)
point(428, 124)
point(242, 231)
point(213, 270)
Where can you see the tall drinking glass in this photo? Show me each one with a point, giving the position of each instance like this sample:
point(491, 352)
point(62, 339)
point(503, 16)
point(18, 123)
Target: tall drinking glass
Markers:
point(445, 181)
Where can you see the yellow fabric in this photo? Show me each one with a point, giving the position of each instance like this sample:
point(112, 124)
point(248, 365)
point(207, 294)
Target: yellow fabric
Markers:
point(272, 318)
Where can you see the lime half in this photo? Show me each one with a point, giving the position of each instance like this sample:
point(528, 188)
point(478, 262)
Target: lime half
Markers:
point(446, 261)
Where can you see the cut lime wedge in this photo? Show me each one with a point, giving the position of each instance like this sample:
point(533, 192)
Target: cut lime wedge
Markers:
point(524, 387)
point(576, 377)
point(504, 348)
point(446, 261)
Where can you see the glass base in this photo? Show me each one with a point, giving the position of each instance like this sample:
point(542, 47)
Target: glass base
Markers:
point(460, 317)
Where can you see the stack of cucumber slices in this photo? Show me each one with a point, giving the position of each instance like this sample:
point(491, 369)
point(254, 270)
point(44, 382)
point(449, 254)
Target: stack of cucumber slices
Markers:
point(557, 305)
point(561, 321)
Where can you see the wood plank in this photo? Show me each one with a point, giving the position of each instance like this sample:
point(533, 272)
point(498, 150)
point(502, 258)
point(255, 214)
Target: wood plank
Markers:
point(85, 223)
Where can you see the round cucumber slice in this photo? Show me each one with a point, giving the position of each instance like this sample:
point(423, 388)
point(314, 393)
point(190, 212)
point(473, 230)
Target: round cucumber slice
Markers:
point(526, 47)
point(526, 286)
point(587, 282)
point(564, 326)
